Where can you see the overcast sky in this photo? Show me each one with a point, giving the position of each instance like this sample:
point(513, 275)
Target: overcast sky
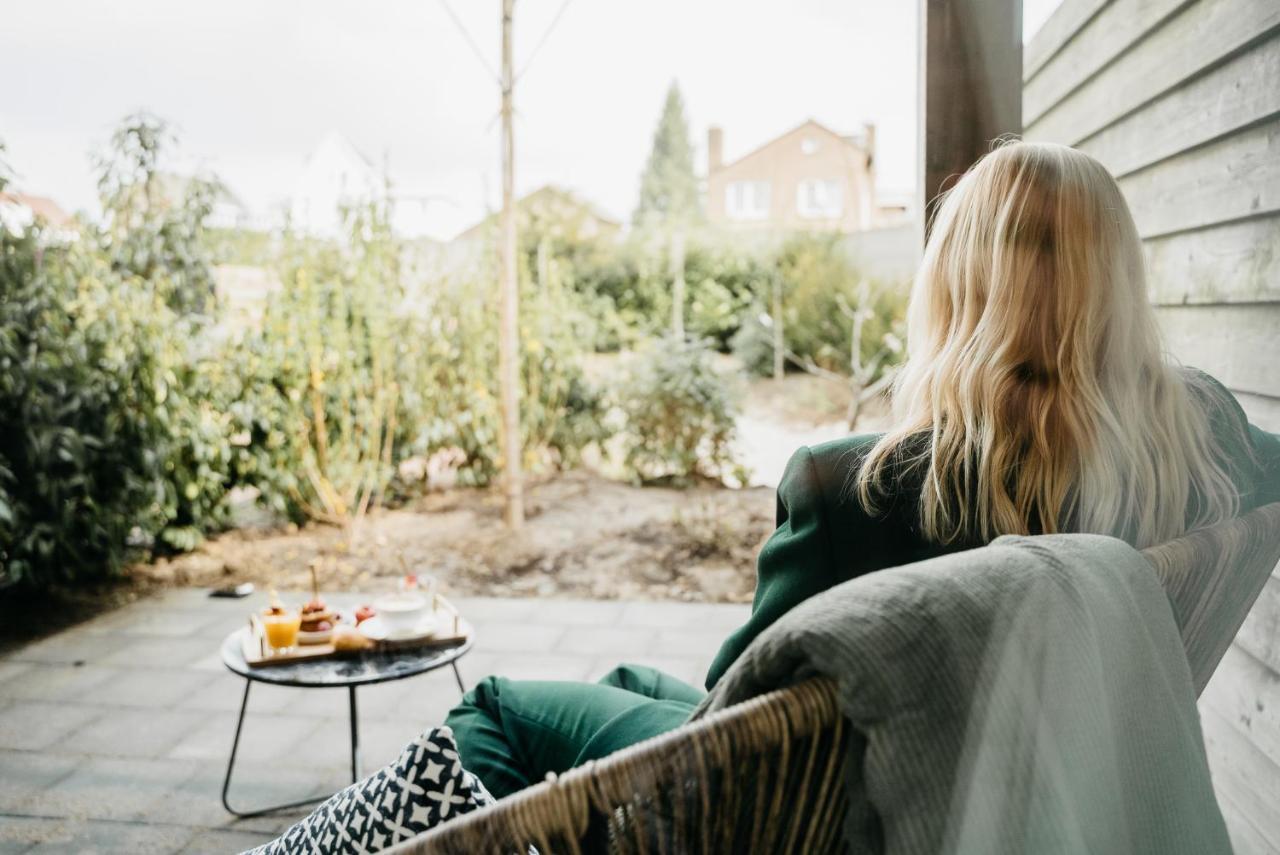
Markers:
point(252, 86)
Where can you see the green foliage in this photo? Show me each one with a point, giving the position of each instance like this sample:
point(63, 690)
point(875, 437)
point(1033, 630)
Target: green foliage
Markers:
point(353, 371)
point(752, 343)
point(668, 185)
point(821, 289)
point(680, 415)
point(89, 412)
point(109, 437)
point(155, 222)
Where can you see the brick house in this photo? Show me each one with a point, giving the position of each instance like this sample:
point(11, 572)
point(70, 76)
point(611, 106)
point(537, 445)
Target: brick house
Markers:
point(810, 178)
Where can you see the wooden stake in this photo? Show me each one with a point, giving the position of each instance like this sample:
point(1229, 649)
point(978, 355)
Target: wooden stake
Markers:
point(509, 329)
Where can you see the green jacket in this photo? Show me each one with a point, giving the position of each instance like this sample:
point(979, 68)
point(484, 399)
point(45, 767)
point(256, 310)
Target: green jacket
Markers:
point(824, 537)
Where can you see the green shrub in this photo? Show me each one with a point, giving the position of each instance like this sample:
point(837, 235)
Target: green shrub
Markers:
point(821, 286)
point(752, 344)
point(349, 376)
point(680, 415)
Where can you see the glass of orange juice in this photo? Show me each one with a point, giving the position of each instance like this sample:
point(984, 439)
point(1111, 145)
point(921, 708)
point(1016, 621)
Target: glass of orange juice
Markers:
point(282, 629)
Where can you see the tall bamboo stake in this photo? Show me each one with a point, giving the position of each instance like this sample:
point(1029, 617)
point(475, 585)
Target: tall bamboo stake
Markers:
point(509, 331)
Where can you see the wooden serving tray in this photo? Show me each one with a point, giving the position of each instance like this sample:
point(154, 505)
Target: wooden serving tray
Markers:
point(257, 654)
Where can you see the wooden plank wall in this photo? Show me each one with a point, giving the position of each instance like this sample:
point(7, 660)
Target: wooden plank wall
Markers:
point(1181, 100)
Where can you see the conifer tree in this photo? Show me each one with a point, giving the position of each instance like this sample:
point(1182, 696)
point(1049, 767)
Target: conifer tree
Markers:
point(668, 186)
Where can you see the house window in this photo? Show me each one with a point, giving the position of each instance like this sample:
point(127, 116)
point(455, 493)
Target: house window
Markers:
point(747, 200)
point(819, 199)
point(808, 145)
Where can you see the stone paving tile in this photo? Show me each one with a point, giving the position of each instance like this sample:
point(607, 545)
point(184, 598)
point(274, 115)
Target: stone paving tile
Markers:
point(254, 784)
point(483, 610)
point(685, 615)
point(220, 692)
point(264, 737)
point(21, 833)
point(578, 612)
point(37, 725)
point(71, 646)
point(110, 788)
point(94, 837)
point(619, 640)
point(147, 687)
point(143, 652)
point(221, 841)
point(689, 642)
point(124, 732)
point(58, 682)
point(155, 702)
point(264, 697)
point(135, 622)
point(518, 666)
point(381, 741)
point(517, 638)
point(427, 697)
point(25, 774)
point(11, 669)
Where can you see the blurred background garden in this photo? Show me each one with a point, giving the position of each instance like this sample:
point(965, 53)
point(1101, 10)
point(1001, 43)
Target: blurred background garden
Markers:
point(344, 414)
point(206, 379)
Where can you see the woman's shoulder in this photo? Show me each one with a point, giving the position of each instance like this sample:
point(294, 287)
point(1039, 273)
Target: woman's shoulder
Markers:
point(824, 472)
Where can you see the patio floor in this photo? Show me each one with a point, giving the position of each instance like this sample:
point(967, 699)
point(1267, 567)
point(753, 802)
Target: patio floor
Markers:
point(114, 734)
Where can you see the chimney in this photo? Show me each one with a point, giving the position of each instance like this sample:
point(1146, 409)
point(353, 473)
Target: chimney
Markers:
point(715, 149)
point(869, 142)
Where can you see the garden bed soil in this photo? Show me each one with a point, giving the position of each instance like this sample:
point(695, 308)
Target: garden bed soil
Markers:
point(584, 536)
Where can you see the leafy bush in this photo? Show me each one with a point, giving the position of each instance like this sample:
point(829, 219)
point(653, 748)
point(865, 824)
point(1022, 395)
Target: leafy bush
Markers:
point(680, 415)
point(821, 286)
point(752, 344)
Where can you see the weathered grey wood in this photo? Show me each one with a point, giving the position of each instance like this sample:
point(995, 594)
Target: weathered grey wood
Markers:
point(1247, 692)
point(1238, 176)
point(1259, 635)
point(1057, 30)
point(1246, 839)
point(1239, 344)
point(1113, 31)
point(970, 85)
point(1263, 411)
point(1244, 775)
point(1236, 262)
point(1198, 37)
point(1237, 93)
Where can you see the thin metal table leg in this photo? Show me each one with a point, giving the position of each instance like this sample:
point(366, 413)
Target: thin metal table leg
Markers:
point(231, 762)
point(461, 686)
point(354, 718)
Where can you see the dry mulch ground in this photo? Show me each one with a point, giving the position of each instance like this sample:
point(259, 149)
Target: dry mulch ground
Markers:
point(585, 536)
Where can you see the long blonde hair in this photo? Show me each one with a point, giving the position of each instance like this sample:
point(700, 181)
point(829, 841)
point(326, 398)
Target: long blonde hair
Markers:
point(1035, 380)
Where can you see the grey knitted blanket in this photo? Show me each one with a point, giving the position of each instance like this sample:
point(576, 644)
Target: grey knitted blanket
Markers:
point(1028, 696)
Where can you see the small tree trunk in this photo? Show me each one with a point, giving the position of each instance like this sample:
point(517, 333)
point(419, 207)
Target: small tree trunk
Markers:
point(779, 339)
point(509, 327)
point(677, 284)
point(855, 405)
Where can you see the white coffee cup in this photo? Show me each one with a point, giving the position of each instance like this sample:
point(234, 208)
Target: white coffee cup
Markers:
point(404, 611)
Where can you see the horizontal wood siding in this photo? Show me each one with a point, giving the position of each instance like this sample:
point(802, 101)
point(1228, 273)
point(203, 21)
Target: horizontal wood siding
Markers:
point(1236, 262)
point(1231, 342)
point(1180, 99)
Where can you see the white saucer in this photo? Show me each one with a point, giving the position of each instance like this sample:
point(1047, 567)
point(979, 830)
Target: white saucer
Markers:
point(376, 629)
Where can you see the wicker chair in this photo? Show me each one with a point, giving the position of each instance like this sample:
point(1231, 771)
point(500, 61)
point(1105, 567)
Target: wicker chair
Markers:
point(767, 775)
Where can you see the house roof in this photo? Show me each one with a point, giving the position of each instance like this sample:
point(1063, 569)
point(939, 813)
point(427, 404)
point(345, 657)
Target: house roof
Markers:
point(547, 193)
point(41, 206)
point(855, 143)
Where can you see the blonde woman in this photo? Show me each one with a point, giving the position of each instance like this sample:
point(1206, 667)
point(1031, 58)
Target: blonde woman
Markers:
point(1036, 398)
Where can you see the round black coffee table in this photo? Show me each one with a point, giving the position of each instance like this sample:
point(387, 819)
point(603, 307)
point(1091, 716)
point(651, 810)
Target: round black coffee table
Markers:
point(349, 672)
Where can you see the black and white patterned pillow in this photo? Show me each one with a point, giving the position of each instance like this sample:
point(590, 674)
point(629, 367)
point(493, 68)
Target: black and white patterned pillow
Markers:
point(424, 787)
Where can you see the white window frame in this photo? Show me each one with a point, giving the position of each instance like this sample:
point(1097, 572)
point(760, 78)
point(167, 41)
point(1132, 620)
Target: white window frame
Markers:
point(747, 200)
point(820, 199)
